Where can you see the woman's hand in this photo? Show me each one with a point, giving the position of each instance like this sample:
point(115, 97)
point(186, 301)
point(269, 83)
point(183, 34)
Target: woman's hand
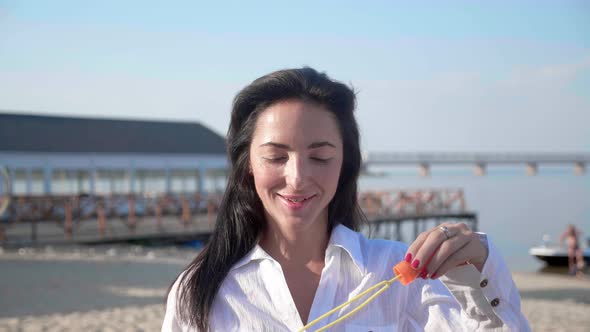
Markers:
point(444, 247)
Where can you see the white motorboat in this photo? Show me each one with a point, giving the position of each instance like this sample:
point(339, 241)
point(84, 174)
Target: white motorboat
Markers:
point(555, 254)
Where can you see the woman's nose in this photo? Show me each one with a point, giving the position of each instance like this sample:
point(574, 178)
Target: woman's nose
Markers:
point(296, 172)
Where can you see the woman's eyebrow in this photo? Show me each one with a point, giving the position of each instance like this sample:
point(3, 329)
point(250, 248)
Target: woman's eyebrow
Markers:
point(314, 145)
point(276, 145)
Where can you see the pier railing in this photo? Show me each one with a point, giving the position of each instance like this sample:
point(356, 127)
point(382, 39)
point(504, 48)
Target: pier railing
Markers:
point(403, 213)
point(96, 218)
point(108, 218)
point(403, 202)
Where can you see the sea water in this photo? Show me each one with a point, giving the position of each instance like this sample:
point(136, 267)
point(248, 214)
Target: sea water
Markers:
point(514, 209)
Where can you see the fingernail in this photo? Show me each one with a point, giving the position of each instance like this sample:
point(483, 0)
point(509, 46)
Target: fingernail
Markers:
point(416, 263)
point(423, 274)
point(433, 276)
point(408, 257)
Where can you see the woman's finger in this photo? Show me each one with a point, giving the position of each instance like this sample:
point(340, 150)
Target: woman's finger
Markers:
point(447, 249)
point(460, 257)
point(434, 238)
point(473, 249)
point(416, 245)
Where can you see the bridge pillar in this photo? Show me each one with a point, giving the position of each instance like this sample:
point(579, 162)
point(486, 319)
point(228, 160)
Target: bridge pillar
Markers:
point(480, 169)
point(579, 168)
point(531, 169)
point(424, 170)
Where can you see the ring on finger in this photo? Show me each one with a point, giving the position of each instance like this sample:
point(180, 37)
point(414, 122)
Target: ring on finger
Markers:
point(446, 231)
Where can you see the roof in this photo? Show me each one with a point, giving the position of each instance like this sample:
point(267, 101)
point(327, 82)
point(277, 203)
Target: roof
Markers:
point(36, 133)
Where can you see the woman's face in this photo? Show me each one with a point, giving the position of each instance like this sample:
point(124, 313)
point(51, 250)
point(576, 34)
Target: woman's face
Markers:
point(295, 158)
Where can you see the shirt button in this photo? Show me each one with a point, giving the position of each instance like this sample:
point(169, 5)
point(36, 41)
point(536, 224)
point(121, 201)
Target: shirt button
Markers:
point(495, 302)
point(483, 283)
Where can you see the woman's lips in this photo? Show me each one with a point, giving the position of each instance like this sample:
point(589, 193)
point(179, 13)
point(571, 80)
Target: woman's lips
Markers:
point(296, 202)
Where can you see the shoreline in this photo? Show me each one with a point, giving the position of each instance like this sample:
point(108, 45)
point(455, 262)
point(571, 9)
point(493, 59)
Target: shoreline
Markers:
point(128, 287)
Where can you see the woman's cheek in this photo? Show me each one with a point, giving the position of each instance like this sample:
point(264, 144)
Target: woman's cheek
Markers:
point(328, 176)
point(266, 177)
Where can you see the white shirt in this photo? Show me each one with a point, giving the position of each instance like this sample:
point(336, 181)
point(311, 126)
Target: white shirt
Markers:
point(255, 297)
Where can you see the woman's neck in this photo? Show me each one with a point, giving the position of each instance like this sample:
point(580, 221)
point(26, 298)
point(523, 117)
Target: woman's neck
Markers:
point(301, 256)
point(296, 247)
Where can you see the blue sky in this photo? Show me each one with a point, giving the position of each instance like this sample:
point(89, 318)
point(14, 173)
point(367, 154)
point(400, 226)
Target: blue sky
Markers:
point(439, 76)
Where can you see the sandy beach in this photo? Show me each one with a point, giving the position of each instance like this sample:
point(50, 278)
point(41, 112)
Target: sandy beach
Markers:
point(123, 289)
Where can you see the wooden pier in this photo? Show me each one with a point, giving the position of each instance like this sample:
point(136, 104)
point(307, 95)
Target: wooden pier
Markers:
point(107, 219)
point(35, 221)
point(406, 228)
point(148, 230)
point(403, 214)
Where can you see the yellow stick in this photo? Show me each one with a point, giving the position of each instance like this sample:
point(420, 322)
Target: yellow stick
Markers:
point(385, 285)
point(315, 321)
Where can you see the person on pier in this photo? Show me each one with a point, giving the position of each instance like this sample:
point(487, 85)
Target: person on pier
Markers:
point(285, 248)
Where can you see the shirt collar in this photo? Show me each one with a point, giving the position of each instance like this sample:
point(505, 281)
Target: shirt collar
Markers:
point(257, 253)
point(349, 241)
point(342, 237)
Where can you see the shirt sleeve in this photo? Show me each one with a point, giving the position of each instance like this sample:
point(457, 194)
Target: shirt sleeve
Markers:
point(431, 307)
point(171, 322)
point(490, 299)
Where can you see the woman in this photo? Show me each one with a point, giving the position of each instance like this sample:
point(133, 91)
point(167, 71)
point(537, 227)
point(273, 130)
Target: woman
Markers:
point(575, 256)
point(284, 250)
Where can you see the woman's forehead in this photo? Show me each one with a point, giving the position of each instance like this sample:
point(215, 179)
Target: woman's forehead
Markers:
point(296, 122)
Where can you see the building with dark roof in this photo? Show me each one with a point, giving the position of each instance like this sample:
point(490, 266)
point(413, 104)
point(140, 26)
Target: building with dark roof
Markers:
point(65, 155)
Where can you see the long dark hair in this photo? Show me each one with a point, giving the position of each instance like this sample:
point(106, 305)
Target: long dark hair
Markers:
point(241, 220)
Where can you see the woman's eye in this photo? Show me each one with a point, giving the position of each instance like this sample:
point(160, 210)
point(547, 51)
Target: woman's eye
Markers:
point(275, 160)
point(320, 160)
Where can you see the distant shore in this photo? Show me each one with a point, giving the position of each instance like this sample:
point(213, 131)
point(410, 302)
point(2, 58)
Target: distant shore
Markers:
point(124, 290)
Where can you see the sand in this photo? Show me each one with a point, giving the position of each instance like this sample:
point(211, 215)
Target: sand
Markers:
point(554, 302)
point(101, 290)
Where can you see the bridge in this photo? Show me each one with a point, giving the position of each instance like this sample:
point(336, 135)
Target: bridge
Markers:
point(424, 160)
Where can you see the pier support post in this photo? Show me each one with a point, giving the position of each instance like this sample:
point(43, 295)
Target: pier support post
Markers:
point(34, 230)
point(531, 169)
point(131, 174)
point(424, 170)
point(579, 168)
point(92, 178)
point(11, 175)
point(29, 189)
point(131, 218)
point(186, 212)
point(68, 229)
point(210, 210)
point(201, 179)
point(100, 213)
point(159, 215)
point(47, 175)
point(480, 169)
point(398, 231)
point(168, 176)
